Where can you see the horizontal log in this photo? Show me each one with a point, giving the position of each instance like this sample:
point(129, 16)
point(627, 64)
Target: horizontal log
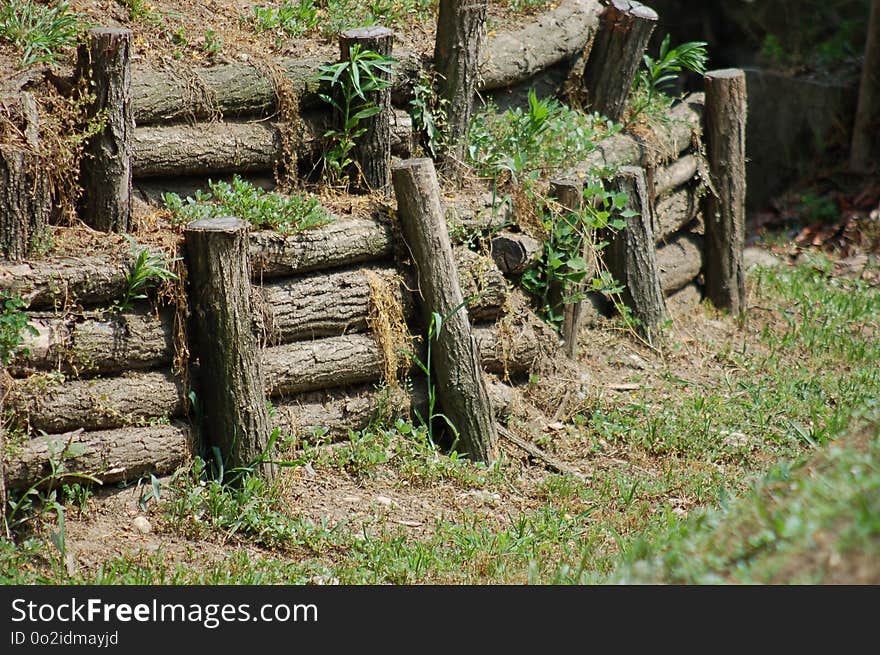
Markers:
point(509, 56)
point(109, 455)
point(231, 146)
point(97, 404)
point(515, 345)
point(665, 142)
point(674, 211)
point(468, 218)
point(679, 261)
point(512, 56)
point(335, 413)
point(677, 173)
point(168, 95)
point(341, 242)
point(515, 253)
point(86, 344)
point(54, 282)
point(685, 298)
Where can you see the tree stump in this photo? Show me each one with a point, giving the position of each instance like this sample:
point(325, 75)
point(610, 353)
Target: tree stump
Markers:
point(372, 151)
point(231, 388)
point(461, 388)
point(614, 60)
point(631, 256)
point(461, 28)
point(25, 193)
point(725, 207)
point(105, 62)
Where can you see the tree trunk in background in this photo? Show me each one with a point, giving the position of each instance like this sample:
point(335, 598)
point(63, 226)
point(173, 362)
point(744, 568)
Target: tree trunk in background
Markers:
point(105, 62)
point(631, 256)
point(461, 27)
point(231, 389)
point(372, 152)
point(616, 55)
point(455, 362)
point(865, 150)
point(25, 195)
point(725, 213)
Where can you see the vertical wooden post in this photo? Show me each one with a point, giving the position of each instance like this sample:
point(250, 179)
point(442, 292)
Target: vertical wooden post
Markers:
point(725, 213)
point(569, 193)
point(372, 152)
point(231, 383)
point(25, 196)
point(631, 256)
point(104, 60)
point(614, 60)
point(865, 150)
point(461, 27)
point(461, 388)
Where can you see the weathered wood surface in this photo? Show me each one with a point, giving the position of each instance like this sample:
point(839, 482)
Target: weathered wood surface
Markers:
point(665, 143)
point(342, 242)
point(679, 261)
point(109, 455)
point(725, 206)
point(865, 148)
point(104, 62)
point(631, 257)
point(515, 253)
point(231, 381)
point(461, 389)
point(248, 89)
point(55, 281)
point(25, 194)
point(616, 55)
point(220, 147)
point(97, 404)
point(85, 345)
point(674, 211)
point(556, 35)
point(675, 174)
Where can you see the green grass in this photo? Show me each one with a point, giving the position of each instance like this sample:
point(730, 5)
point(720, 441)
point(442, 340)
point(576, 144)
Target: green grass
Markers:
point(742, 479)
point(39, 32)
point(241, 199)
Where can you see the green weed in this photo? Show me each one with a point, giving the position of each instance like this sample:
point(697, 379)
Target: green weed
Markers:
point(13, 325)
point(38, 31)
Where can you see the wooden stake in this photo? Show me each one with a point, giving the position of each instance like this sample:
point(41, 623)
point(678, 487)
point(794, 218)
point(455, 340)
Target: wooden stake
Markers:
point(616, 55)
point(105, 62)
point(454, 355)
point(461, 28)
point(372, 153)
point(725, 212)
point(231, 389)
point(631, 256)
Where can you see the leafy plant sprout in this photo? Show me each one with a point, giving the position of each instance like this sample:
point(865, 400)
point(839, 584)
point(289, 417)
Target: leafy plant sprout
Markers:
point(39, 31)
point(658, 75)
point(350, 83)
point(147, 269)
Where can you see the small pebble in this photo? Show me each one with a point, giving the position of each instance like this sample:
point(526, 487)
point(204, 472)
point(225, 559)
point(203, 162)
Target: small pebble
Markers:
point(142, 525)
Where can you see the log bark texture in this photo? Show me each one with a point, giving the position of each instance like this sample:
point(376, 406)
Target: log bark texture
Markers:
point(86, 345)
point(461, 389)
point(57, 281)
point(679, 262)
point(676, 174)
point(340, 243)
point(616, 55)
point(461, 28)
point(557, 35)
point(98, 404)
point(104, 61)
point(631, 257)
point(221, 147)
point(372, 151)
point(674, 211)
point(109, 455)
point(515, 253)
point(231, 381)
point(25, 194)
point(725, 213)
point(865, 150)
